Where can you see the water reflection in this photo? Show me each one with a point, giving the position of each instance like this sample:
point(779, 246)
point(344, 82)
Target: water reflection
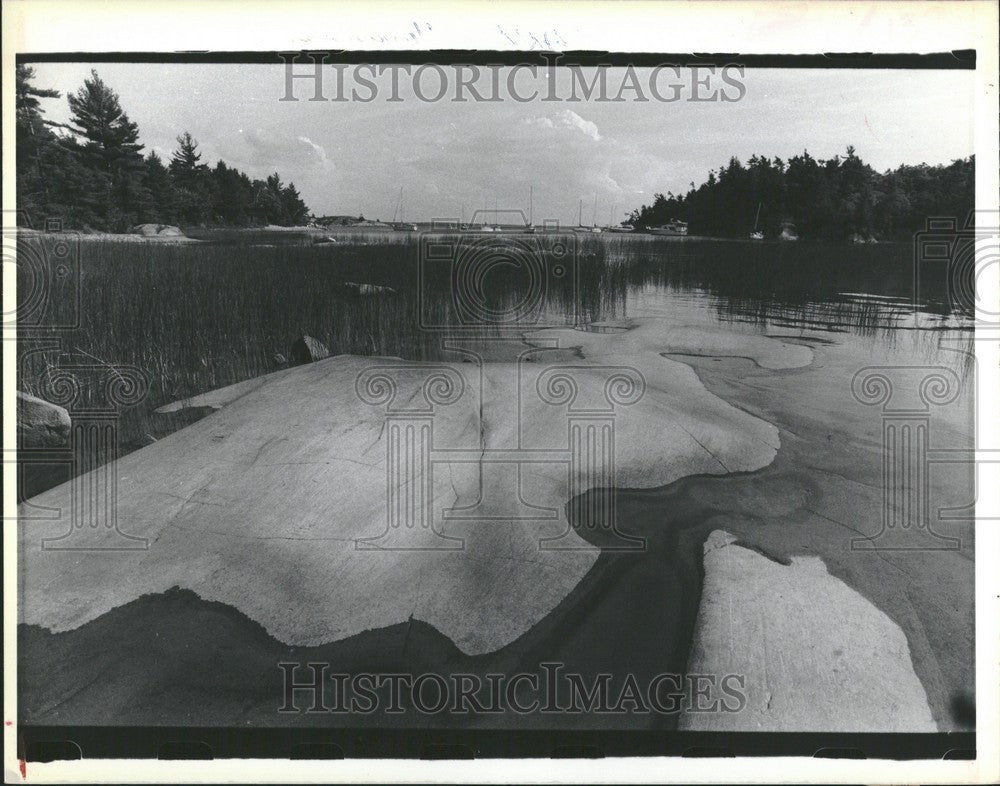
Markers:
point(860, 290)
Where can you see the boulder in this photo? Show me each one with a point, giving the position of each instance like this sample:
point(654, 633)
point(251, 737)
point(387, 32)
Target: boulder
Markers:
point(41, 424)
point(156, 230)
point(368, 289)
point(306, 350)
point(808, 652)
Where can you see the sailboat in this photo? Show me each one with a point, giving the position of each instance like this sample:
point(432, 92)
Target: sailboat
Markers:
point(580, 227)
point(529, 228)
point(401, 225)
point(621, 227)
point(757, 234)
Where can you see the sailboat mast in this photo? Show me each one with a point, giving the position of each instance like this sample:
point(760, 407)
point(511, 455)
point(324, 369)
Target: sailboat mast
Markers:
point(399, 205)
point(531, 206)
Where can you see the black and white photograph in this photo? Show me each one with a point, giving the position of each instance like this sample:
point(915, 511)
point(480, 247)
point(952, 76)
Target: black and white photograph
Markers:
point(397, 396)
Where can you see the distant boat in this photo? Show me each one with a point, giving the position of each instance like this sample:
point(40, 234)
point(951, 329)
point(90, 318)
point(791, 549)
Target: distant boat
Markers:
point(624, 226)
point(401, 225)
point(596, 230)
point(529, 227)
point(675, 227)
point(788, 231)
point(756, 234)
point(479, 222)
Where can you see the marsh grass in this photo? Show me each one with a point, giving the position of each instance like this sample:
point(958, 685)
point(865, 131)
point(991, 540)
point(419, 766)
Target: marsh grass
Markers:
point(194, 317)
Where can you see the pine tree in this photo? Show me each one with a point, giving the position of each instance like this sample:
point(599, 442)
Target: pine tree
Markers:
point(192, 193)
point(836, 199)
point(95, 176)
point(111, 139)
point(33, 135)
point(295, 212)
point(185, 163)
point(158, 182)
point(29, 113)
point(111, 145)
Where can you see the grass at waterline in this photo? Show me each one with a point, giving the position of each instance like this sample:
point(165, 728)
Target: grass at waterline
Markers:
point(197, 317)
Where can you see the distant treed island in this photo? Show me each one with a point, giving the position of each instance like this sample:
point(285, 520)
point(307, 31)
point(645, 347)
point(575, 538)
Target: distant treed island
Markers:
point(92, 174)
point(842, 198)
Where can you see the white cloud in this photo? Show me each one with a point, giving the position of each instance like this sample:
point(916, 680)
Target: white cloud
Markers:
point(570, 118)
point(319, 150)
point(539, 122)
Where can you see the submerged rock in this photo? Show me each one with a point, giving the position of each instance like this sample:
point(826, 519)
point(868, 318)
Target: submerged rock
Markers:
point(41, 424)
point(307, 349)
point(368, 289)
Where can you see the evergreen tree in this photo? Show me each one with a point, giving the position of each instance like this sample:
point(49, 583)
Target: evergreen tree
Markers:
point(111, 145)
point(160, 185)
point(110, 138)
point(33, 135)
point(840, 198)
point(92, 174)
point(294, 210)
point(193, 187)
point(27, 108)
point(234, 195)
point(185, 163)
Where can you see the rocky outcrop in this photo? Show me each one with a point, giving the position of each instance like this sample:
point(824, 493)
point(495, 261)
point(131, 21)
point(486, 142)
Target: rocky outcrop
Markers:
point(41, 424)
point(307, 350)
point(156, 230)
point(808, 652)
point(277, 503)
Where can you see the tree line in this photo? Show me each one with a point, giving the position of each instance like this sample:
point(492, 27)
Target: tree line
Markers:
point(839, 198)
point(92, 174)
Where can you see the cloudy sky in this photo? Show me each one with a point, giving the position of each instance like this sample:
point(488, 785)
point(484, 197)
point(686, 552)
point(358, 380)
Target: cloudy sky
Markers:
point(352, 157)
